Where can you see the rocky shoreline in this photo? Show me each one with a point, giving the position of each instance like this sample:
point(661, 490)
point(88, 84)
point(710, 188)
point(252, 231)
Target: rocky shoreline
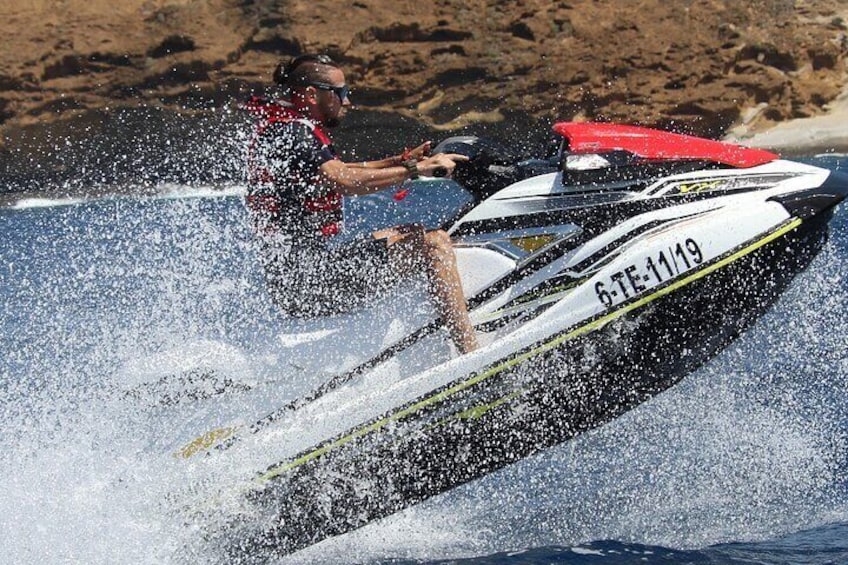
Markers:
point(94, 95)
point(207, 150)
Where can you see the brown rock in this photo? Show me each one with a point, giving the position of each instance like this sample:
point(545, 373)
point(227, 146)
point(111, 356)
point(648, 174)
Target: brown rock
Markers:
point(273, 40)
point(5, 110)
point(170, 45)
point(10, 83)
point(699, 64)
point(407, 33)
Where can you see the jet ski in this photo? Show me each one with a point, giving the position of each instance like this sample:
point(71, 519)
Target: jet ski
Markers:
point(599, 275)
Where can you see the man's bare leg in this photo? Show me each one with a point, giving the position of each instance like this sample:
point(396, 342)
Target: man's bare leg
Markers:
point(446, 287)
point(412, 249)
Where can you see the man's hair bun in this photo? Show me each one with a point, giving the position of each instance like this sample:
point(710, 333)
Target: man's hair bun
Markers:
point(281, 73)
point(285, 71)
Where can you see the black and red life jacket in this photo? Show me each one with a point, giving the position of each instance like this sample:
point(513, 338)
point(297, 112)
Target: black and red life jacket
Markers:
point(299, 206)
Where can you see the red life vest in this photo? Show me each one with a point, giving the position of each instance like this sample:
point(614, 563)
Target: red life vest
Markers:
point(277, 203)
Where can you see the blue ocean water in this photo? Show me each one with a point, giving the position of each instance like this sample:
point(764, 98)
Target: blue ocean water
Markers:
point(744, 462)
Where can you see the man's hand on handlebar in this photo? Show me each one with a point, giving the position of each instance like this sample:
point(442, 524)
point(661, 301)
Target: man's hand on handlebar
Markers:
point(440, 165)
point(420, 152)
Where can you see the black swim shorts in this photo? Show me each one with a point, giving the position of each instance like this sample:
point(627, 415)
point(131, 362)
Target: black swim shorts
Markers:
point(312, 281)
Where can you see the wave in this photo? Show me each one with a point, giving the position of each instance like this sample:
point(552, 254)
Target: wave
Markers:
point(823, 545)
point(178, 191)
point(37, 202)
point(166, 191)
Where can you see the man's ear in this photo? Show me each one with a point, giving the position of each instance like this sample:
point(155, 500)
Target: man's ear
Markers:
point(310, 94)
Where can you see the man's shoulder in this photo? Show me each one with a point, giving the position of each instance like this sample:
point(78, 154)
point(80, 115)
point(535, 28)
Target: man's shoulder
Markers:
point(295, 129)
point(294, 135)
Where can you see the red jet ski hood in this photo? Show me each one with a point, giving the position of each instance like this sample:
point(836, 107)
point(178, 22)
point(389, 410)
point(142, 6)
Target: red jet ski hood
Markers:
point(654, 144)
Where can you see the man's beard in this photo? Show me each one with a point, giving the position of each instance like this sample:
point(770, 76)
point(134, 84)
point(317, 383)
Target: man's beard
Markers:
point(332, 122)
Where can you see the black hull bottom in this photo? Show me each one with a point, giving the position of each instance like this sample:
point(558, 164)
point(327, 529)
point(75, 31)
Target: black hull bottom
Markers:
point(537, 404)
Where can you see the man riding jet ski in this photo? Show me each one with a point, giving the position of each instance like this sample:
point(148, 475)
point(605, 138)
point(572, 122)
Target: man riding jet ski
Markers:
point(295, 198)
point(602, 274)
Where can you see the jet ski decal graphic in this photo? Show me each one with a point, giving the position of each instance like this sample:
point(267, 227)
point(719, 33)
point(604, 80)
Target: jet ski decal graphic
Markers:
point(718, 186)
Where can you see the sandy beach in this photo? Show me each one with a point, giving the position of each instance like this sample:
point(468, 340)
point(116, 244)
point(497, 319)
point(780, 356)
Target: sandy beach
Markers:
point(827, 133)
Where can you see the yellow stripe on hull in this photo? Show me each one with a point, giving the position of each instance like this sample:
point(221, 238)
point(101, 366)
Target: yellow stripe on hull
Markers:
point(278, 470)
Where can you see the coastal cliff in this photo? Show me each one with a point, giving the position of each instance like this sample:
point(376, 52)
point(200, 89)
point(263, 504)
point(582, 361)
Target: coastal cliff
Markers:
point(166, 73)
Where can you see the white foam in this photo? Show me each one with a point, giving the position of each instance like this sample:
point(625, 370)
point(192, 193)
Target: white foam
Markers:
point(180, 191)
point(291, 340)
point(27, 203)
point(197, 355)
point(584, 551)
point(167, 191)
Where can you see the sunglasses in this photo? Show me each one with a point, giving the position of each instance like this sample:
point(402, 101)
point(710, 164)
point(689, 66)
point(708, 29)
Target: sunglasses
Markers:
point(343, 91)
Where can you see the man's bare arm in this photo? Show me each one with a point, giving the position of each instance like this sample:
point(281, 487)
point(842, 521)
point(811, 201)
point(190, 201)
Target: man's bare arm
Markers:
point(416, 154)
point(353, 179)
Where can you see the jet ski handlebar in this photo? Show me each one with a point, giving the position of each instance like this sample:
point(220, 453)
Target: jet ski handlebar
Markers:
point(491, 165)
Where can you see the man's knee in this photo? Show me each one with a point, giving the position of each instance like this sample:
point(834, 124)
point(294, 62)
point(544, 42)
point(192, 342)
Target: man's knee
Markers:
point(438, 239)
point(438, 245)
